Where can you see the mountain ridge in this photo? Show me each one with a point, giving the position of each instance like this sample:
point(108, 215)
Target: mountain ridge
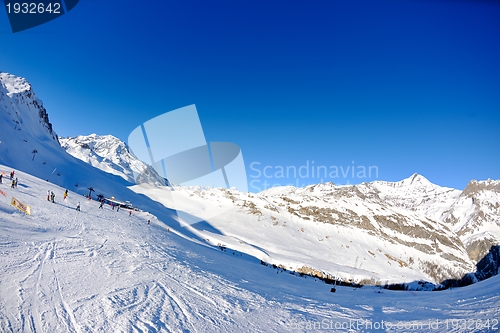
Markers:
point(111, 155)
point(377, 232)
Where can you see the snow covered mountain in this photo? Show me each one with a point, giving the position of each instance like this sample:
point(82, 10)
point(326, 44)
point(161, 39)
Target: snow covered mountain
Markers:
point(106, 271)
point(475, 217)
point(111, 155)
point(472, 214)
point(404, 231)
point(28, 143)
point(372, 233)
point(22, 110)
point(417, 194)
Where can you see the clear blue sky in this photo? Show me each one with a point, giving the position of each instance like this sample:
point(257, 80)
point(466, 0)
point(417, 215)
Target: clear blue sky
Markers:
point(406, 86)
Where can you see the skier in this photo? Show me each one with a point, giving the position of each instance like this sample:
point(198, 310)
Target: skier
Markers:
point(12, 175)
point(1, 178)
point(78, 207)
point(130, 213)
point(48, 195)
point(65, 194)
point(13, 184)
point(16, 182)
point(100, 206)
point(149, 221)
point(52, 196)
point(117, 207)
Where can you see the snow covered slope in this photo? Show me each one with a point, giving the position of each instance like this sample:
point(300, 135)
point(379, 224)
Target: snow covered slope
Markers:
point(326, 231)
point(111, 155)
point(106, 271)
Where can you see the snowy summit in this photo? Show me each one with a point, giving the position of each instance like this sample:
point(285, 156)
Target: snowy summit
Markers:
point(110, 155)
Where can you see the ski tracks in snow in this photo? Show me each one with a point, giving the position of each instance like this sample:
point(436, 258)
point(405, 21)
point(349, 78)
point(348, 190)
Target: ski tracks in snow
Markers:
point(41, 291)
point(32, 293)
point(179, 308)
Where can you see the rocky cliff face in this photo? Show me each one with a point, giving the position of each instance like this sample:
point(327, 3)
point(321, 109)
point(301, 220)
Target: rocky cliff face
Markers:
point(22, 106)
point(475, 217)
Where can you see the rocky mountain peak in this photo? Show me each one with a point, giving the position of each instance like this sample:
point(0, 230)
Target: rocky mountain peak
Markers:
point(12, 84)
point(112, 155)
point(474, 187)
point(415, 180)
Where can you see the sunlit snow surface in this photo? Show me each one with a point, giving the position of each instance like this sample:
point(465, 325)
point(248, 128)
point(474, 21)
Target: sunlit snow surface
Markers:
point(105, 271)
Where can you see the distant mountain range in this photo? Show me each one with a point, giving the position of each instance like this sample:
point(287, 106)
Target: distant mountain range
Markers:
point(381, 233)
point(413, 224)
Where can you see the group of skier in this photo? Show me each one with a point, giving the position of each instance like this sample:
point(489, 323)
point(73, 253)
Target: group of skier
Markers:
point(112, 204)
point(51, 195)
point(13, 180)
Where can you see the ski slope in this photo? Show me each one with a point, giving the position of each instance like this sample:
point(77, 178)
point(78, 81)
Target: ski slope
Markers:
point(109, 271)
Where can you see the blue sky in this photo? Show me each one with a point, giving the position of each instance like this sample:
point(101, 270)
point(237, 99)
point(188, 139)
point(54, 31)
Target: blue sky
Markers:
point(405, 86)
